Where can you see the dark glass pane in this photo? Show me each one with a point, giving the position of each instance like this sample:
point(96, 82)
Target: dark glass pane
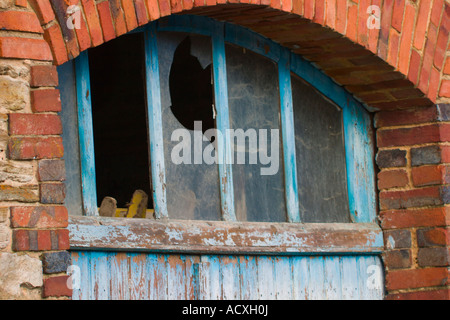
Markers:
point(253, 97)
point(69, 119)
point(192, 184)
point(320, 152)
point(119, 119)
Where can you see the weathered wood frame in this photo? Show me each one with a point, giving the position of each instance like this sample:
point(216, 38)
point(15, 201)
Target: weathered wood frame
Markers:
point(362, 236)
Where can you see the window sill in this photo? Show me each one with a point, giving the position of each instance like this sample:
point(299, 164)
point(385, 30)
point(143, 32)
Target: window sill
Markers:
point(219, 237)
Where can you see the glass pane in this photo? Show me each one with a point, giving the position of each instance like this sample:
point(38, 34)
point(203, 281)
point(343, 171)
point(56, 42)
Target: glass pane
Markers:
point(254, 103)
point(192, 184)
point(320, 152)
point(119, 119)
point(69, 119)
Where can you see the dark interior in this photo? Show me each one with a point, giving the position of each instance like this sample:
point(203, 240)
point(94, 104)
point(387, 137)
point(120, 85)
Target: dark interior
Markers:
point(119, 119)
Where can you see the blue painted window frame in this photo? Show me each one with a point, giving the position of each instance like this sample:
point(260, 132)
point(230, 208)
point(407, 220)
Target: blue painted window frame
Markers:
point(356, 120)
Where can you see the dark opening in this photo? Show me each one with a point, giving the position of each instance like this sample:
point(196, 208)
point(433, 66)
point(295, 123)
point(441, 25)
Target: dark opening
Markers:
point(117, 76)
point(191, 90)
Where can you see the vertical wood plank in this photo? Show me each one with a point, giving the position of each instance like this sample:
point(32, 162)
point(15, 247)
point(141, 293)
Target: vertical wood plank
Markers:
point(223, 124)
point(192, 277)
point(229, 271)
point(332, 277)
point(212, 277)
point(359, 158)
point(138, 277)
point(316, 290)
point(249, 278)
point(349, 278)
point(300, 276)
point(204, 292)
point(288, 137)
point(120, 285)
point(86, 135)
point(266, 278)
point(283, 278)
point(151, 267)
point(158, 171)
point(176, 288)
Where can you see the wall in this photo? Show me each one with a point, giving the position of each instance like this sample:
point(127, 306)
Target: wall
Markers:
point(400, 71)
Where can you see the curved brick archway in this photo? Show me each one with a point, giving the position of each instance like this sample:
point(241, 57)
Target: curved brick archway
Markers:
point(401, 72)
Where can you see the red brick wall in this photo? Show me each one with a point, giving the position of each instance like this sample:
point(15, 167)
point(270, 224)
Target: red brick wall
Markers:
point(401, 72)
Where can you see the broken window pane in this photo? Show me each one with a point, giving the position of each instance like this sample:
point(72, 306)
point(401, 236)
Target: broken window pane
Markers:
point(192, 184)
point(117, 76)
point(253, 97)
point(320, 153)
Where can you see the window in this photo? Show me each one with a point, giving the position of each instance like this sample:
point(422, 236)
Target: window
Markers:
point(214, 122)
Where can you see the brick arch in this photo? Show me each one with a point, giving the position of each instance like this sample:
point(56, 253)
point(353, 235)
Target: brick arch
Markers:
point(402, 70)
point(411, 43)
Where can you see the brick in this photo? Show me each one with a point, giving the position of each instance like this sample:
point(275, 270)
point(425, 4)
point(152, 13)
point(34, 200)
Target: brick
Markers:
point(22, 3)
point(399, 219)
point(414, 66)
point(408, 136)
point(416, 278)
point(427, 61)
point(51, 170)
point(445, 89)
point(432, 237)
point(430, 196)
point(393, 48)
point(41, 217)
point(442, 40)
point(141, 12)
point(425, 155)
point(440, 294)
point(351, 31)
point(130, 14)
point(106, 22)
point(433, 88)
point(403, 117)
point(93, 22)
point(44, 10)
point(52, 193)
point(62, 238)
point(385, 24)
point(421, 24)
point(176, 6)
point(397, 239)
point(46, 100)
point(20, 21)
point(55, 262)
point(55, 38)
point(153, 9)
point(56, 287)
point(27, 148)
point(34, 124)
point(397, 14)
point(428, 175)
point(43, 76)
point(44, 241)
point(118, 17)
point(392, 178)
point(443, 111)
point(447, 66)
point(391, 158)
point(433, 257)
point(23, 48)
point(21, 240)
point(83, 36)
point(69, 34)
point(397, 259)
point(319, 11)
point(164, 7)
point(406, 38)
